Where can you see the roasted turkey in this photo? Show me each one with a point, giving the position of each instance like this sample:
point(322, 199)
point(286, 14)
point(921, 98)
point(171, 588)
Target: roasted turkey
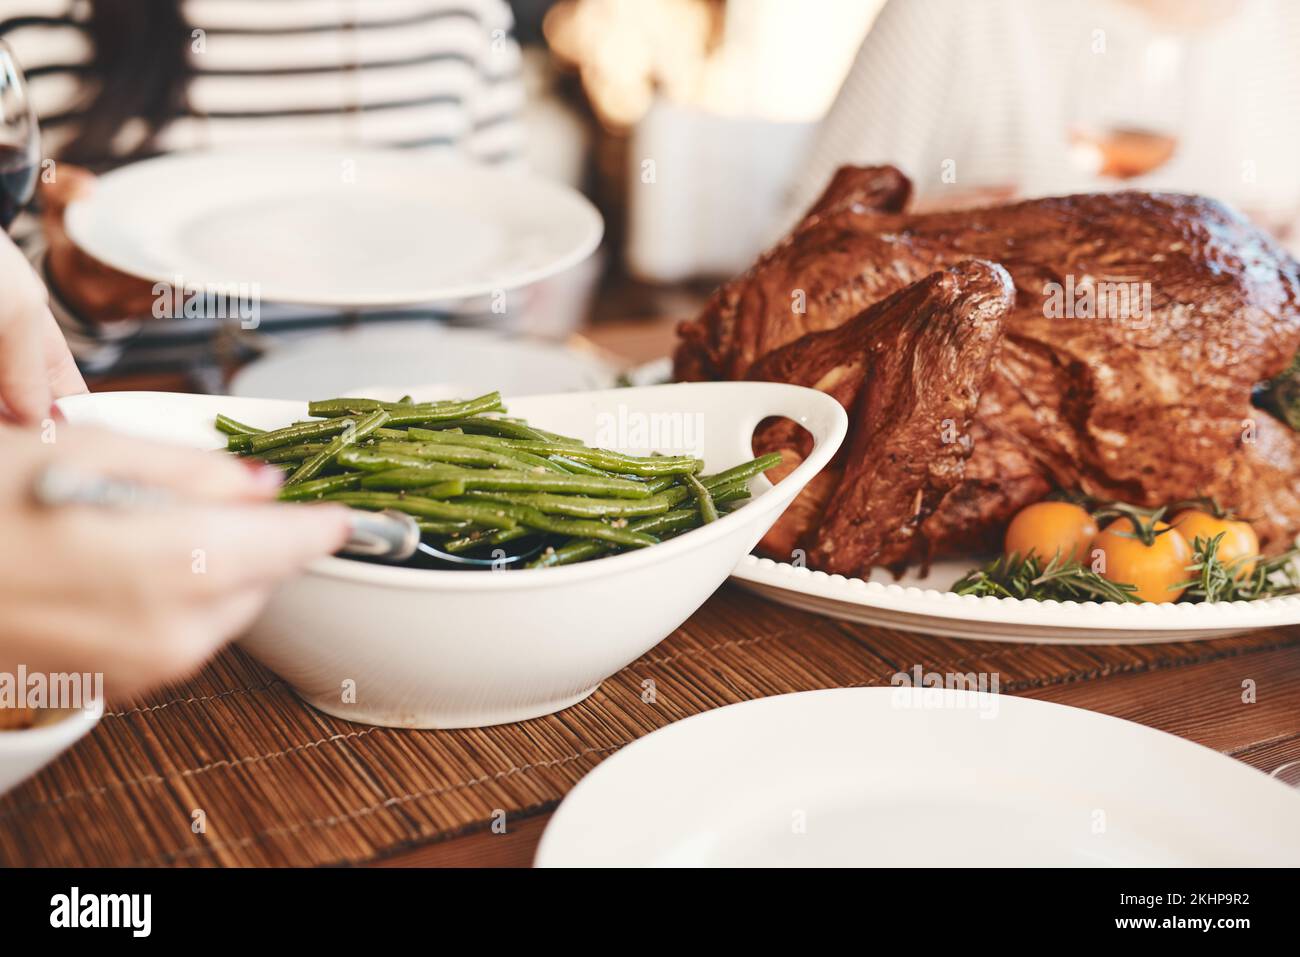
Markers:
point(1107, 344)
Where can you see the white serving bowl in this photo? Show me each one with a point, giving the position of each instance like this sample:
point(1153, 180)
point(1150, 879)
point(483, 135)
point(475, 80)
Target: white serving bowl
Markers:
point(25, 751)
point(417, 648)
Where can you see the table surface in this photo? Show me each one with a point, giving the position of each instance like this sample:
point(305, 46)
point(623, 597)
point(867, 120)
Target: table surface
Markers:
point(1195, 694)
point(278, 783)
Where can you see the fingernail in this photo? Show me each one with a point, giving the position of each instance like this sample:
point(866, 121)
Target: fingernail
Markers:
point(57, 414)
point(268, 478)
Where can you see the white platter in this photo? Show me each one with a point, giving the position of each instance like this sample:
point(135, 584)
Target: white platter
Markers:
point(343, 228)
point(920, 777)
point(924, 605)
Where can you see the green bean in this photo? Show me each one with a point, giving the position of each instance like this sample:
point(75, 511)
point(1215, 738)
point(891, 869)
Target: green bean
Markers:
point(319, 487)
point(290, 453)
point(708, 511)
point(661, 526)
point(556, 437)
point(580, 506)
point(616, 462)
point(402, 413)
point(731, 492)
point(407, 477)
point(619, 534)
point(501, 536)
point(229, 426)
point(711, 482)
point(539, 462)
point(421, 415)
point(603, 459)
point(722, 494)
point(370, 460)
point(645, 466)
point(488, 516)
point(455, 454)
point(490, 443)
point(442, 529)
point(297, 433)
point(457, 437)
point(744, 471)
point(474, 478)
point(486, 536)
point(312, 466)
point(490, 427)
point(582, 468)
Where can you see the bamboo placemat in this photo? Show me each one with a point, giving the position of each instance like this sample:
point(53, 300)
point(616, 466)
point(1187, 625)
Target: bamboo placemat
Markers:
point(276, 783)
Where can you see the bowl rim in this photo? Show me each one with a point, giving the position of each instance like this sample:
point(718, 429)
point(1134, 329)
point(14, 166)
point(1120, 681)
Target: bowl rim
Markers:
point(761, 505)
point(53, 733)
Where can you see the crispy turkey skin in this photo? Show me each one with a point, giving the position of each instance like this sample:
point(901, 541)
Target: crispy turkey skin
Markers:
point(1137, 326)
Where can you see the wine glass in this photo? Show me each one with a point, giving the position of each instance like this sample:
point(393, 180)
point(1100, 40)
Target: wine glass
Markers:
point(20, 140)
point(1127, 103)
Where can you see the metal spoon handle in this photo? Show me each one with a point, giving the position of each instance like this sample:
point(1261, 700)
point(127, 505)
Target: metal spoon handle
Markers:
point(389, 535)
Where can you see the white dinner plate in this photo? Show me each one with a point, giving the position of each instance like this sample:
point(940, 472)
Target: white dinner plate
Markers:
point(919, 777)
point(343, 228)
point(913, 603)
point(436, 361)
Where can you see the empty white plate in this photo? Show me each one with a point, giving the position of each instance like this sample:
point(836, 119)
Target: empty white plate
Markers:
point(344, 228)
point(919, 777)
point(436, 361)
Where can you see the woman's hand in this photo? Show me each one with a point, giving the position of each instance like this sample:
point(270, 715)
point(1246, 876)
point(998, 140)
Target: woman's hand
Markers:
point(142, 595)
point(35, 365)
point(94, 291)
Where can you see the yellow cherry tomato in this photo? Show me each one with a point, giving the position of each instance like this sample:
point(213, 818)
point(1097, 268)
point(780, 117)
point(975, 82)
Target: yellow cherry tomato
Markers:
point(1153, 568)
point(1049, 528)
point(1239, 543)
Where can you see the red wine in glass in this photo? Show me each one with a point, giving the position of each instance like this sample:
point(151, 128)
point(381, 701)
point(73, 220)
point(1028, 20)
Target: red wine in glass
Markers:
point(17, 182)
point(19, 140)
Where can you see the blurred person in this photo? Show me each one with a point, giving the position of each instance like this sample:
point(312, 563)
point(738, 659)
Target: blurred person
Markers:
point(98, 590)
point(1002, 99)
point(114, 81)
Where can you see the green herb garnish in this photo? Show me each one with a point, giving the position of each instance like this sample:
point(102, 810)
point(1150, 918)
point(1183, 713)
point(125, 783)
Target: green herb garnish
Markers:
point(1060, 579)
point(1281, 395)
point(1216, 580)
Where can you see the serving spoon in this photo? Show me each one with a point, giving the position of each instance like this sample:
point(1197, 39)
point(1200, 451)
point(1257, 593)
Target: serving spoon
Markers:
point(394, 536)
point(387, 536)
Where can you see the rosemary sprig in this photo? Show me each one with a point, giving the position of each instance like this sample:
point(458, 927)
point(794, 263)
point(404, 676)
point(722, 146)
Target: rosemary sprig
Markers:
point(1060, 579)
point(1212, 579)
point(1216, 580)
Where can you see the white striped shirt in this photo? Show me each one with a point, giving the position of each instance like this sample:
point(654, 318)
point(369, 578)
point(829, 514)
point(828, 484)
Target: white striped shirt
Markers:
point(405, 73)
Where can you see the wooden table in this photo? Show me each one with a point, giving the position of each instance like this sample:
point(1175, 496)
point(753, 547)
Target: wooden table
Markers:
point(1194, 692)
point(279, 783)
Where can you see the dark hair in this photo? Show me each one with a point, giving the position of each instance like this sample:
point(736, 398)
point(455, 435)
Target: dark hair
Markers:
point(140, 68)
